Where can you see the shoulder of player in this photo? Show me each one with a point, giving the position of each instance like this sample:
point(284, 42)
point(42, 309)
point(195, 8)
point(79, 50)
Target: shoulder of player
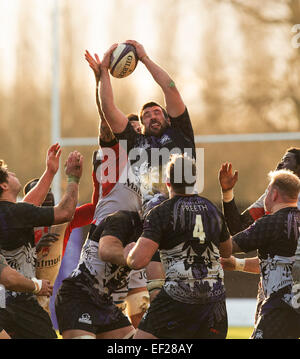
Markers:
point(185, 114)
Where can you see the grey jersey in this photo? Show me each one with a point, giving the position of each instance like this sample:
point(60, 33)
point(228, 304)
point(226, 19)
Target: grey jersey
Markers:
point(118, 193)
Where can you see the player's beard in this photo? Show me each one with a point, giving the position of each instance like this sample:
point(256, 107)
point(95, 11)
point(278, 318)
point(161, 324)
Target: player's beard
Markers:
point(158, 130)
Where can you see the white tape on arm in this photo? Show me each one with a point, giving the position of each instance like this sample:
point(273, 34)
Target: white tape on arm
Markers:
point(227, 196)
point(240, 264)
point(38, 285)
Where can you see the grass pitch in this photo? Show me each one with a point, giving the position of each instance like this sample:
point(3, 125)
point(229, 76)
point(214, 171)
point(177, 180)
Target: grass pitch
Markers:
point(239, 332)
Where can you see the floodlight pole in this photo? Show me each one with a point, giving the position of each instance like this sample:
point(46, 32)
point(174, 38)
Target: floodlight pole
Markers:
point(55, 103)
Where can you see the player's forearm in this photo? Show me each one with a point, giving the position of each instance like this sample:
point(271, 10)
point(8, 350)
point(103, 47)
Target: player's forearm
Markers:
point(13, 280)
point(160, 76)
point(235, 221)
point(174, 103)
point(106, 95)
point(65, 210)
point(249, 265)
point(114, 117)
point(39, 192)
point(110, 248)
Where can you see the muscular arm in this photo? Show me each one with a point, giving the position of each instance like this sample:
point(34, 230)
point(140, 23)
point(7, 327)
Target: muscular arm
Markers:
point(236, 221)
point(64, 211)
point(141, 254)
point(111, 250)
point(38, 194)
point(116, 118)
point(226, 248)
point(174, 103)
point(105, 132)
point(15, 281)
point(251, 265)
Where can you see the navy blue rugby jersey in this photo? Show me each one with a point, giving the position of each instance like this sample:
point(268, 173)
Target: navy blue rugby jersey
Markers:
point(189, 230)
point(275, 237)
point(150, 154)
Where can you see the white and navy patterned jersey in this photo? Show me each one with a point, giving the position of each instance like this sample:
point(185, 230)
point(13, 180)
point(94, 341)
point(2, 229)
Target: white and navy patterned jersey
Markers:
point(95, 276)
point(17, 222)
point(275, 237)
point(148, 168)
point(189, 230)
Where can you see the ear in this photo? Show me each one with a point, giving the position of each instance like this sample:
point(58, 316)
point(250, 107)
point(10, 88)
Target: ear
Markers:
point(4, 186)
point(274, 194)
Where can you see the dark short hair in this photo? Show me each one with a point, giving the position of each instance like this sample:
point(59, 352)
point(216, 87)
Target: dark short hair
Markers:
point(133, 117)
point(296, 152)
point(152, 104)
point(3, 174)
point(29, 185)
point(186, 168)
point(48, 201)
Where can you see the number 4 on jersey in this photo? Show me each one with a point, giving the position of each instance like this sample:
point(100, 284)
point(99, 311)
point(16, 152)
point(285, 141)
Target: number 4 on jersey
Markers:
point(198, 229)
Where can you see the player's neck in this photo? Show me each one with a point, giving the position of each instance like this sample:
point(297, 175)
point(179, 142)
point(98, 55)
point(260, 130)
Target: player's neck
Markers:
point(279, 206)
point(173, 194)
point(8, 197)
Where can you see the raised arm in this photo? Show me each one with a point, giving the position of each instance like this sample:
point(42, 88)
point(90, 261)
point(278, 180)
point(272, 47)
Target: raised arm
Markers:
point(65, 210)
point(174, 103)
point(105, 132)
point(38, 194)
point(114, 116)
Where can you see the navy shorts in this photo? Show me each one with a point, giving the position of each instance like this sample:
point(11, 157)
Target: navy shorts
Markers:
point(167, 318)
point(26, 319)
point(75, 309)
point(278, 323)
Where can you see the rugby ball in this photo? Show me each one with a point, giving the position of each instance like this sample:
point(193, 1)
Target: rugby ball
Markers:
point(123, 61)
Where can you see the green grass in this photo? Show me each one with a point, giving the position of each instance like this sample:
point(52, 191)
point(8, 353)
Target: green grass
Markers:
point(239, 332)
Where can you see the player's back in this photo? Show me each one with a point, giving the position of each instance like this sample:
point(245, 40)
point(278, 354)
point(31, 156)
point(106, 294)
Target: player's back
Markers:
point(189, 230)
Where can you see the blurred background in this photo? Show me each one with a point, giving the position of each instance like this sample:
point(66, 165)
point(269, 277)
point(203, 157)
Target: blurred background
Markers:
point(235, 62)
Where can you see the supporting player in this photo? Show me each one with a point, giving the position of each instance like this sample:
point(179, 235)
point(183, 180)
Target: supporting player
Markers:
point(190, 233)
point(10, 279)
point(275, 236)
point(23, 317)
point(237, 222)
point(105, 320)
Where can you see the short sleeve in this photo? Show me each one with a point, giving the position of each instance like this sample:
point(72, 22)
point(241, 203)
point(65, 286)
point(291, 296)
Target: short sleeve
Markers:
point(256, 236)
point(183, 123)
point(34, 216)
point(153, 228)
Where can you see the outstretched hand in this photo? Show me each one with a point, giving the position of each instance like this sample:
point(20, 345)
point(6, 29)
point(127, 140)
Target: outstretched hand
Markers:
point(141, 52)
point(107, 56)
point(94, 64)
point(74, 163)
point(53, 156)
point(227, 178)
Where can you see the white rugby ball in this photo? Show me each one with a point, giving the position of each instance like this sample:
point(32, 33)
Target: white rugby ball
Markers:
point(123, 61)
